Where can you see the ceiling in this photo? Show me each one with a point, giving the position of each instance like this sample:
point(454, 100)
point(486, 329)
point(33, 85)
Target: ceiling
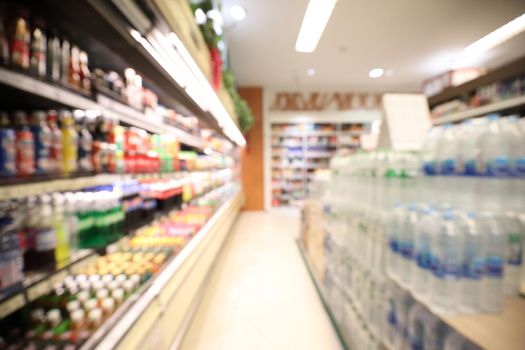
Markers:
point(417, 39)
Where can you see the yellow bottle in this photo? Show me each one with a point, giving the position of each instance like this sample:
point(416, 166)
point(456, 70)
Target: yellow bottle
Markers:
point(69, 142)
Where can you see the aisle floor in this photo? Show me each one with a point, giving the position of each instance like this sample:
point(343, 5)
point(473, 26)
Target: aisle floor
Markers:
point(260, 295)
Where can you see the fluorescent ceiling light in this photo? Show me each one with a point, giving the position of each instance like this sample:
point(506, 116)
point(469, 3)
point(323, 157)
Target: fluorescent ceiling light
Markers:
point(491, 40)
point(310, 71)
point(376, 73)
point(237, 12)
point(314, 22)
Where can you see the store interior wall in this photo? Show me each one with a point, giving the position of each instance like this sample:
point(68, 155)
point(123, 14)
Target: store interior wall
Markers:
point(252, 154)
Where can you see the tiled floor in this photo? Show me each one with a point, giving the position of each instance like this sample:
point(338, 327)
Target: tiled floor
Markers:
point(260, 295)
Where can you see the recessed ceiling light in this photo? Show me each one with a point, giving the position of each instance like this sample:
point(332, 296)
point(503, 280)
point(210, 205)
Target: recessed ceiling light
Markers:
point(376, 73)
point(491, 40)
point(237, 12)
point(310, 71)
point(315, 19)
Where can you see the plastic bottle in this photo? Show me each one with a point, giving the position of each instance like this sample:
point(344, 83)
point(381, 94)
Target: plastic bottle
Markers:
point(7, 146)
point(455, 341)
point(43, 138)
point(25, 145)
point(85, 143)
point(395, 227)
point(513, 231)
point(71, 219)
point(62, 251)
point(493, 245)
point(53, 57)
point(45, 235)
point(65, 55)
point(446, 266)
point(429, 151)
point(472, 266)
point(425, 231)
point(447, 151)
point(56, 150)
point(37, 63)
point(494, 157)
point(69, 142)
point(20, 44)
point(406, 245)
point(416, 327)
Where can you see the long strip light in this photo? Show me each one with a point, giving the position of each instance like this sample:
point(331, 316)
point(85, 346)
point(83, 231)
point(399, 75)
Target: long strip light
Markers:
point(173, 56)
point(315, 19)
point(491, 40)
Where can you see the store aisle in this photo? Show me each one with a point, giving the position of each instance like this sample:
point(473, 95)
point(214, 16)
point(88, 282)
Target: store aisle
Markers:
point(260, 295)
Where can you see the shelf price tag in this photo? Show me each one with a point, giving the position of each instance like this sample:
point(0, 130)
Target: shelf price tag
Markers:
point(11, 305)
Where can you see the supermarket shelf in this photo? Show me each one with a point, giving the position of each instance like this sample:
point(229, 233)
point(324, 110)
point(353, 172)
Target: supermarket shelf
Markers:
point(479, 111)
point(488, 331)
point(164, 301)
point(106, 105)
point(289, 166)
point(23, 189)
point(320, 291)
point(288, 133)
point(38, 284)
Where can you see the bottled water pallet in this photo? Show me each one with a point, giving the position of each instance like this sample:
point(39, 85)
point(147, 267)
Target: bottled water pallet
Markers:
point(319, 288)
point(505, 330)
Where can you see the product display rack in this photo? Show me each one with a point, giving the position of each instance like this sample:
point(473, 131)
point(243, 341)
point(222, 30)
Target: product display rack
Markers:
point(171, 295)
point(300, 149)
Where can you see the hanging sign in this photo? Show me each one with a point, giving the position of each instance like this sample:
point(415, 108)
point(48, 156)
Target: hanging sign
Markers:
point(324, 101)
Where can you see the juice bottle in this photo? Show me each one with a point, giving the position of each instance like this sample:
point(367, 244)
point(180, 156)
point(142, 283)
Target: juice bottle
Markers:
point(45, 235)
point(4, 44)
point(71, 219)
point(37, 62)
point(53, 57)
point(20, 44)
point(85, 143)
point(74, 67)
point(62, 251)
point(25, 146)
point(7, 146)
point(56, 161)
point(69, 142)
point(42, 137)
point(85, 74)
point(65, 55)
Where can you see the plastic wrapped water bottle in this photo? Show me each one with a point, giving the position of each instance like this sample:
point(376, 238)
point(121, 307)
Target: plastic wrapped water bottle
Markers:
point(493, 245)
point(472, 266)
point(425, 230)
point(446, 266)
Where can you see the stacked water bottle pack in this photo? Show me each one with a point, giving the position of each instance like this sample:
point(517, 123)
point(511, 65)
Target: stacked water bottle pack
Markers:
point(447, 227)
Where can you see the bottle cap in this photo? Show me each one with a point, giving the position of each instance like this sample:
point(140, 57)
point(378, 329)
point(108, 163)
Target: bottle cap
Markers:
point(97, 285)
point(94, 278)
point(38, 315)
point(102, 293)
point(53, 316)
point(128, 286)
point(90, 304)
point(108, 304)
point(73, 306)
point(95, 316)
point(135, 278)
point(112, 285)
point(81, 278)
point(77, 315)
point(118, 295)
point(107, 278)
point(83, 296)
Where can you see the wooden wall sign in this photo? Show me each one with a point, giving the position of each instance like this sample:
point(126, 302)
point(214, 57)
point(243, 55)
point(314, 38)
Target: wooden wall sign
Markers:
point(324, 101)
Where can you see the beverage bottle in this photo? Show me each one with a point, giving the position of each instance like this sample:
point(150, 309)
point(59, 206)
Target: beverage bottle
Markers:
point(85, 143)
point(493, 254)
point(65, 54)
point(406, 245)
point(69, 142)
point(45, 235)
point(446, 265)
point(425, 231)
point(435, 332)
point(37, 62)
point(4, 43)
point(395, 227)
point(513, 230)
point(71, 219)
point(74, 67)
point(494, 151)
point(455, 341)
point(7, 146)
point(20, 44)
point(62, 251)
point(447, 150)
point(472, 266)
point(43, 138)
point(53, 57)
point(11, 258)
point(416, 326)
point(429, 151)
point(25, 145)
point(56, 159)
point(85, 74)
